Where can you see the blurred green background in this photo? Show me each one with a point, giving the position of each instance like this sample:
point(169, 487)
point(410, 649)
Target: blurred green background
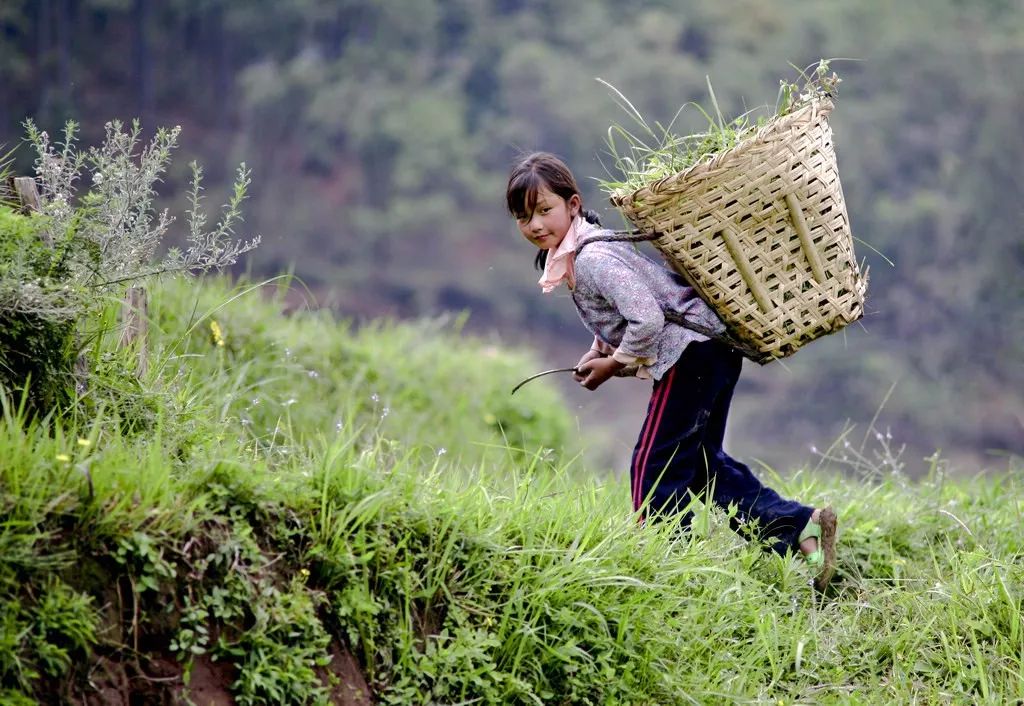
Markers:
point(381, 133)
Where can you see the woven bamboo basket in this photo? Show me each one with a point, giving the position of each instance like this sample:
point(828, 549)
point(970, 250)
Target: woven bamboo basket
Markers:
point(762, 234)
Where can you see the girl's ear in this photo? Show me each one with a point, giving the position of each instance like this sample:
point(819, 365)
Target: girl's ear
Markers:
point(575, 205)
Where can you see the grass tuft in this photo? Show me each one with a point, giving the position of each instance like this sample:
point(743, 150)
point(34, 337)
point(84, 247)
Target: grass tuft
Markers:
point(650, 151)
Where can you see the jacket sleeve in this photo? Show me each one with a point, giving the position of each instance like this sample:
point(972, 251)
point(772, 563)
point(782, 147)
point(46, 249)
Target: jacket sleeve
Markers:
point(636, 303)
point(602, 347)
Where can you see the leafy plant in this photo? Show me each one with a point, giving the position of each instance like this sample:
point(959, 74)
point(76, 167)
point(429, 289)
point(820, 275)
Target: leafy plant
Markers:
point(272, 633)
point(40, 636)
point(817, 84)
point(143, 558)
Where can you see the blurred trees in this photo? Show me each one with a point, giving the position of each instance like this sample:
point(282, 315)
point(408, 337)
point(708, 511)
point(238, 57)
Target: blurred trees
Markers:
point(380, 135)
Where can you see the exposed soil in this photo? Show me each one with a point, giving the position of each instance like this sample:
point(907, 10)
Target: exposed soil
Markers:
point(350, 688)
point(210, 683)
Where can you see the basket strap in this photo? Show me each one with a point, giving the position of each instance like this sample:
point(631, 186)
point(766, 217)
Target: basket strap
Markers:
point(726, 337)
point(619, 236)
point(636, 236)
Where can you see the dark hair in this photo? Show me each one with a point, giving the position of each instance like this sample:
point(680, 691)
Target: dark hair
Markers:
point(537, 171)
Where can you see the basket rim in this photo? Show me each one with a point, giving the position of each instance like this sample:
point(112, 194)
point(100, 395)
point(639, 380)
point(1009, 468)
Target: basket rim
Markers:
point(820, 106)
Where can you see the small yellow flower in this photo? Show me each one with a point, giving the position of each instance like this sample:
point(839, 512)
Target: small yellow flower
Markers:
point(63, 457)
point(84, 442)
point(304, 573)
point(217, 333)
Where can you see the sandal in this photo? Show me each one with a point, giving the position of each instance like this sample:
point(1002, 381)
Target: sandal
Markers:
point(822, 559)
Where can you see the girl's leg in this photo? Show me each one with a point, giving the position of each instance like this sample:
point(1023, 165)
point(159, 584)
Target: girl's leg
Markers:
point(668, 462)
point(641, 451)
point(732, 482)
point(680, 447)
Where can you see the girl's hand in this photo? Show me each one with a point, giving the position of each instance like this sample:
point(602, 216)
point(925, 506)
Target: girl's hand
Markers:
point(589, 355)
point(594, 372)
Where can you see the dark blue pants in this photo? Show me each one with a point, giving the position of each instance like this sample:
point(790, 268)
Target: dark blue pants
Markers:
point(680, 453)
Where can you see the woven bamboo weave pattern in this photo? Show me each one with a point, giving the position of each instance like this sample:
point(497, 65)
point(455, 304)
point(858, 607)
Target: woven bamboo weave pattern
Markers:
point(762, 233)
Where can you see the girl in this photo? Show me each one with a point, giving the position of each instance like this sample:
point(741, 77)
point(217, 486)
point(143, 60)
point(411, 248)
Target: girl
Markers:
point(630, 304)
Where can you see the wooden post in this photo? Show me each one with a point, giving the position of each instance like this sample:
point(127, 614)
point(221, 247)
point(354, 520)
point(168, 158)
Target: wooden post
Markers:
point(134, 318)
point(28, 193)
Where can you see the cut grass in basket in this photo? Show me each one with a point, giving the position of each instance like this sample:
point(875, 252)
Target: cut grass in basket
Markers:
point(652, 151)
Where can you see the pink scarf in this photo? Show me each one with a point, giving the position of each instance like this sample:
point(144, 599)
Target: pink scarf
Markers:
point(560, 265)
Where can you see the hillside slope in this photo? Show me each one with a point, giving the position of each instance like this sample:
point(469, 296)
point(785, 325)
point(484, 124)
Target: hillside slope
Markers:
point(299, 512)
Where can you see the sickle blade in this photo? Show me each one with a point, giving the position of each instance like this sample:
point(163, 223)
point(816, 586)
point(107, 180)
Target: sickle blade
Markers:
point(546, 372)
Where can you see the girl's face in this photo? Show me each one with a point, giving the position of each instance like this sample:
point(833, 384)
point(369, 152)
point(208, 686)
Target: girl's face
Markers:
point(552, 215)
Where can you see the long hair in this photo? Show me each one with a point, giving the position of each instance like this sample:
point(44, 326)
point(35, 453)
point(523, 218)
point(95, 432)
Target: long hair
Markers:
point(541, 170)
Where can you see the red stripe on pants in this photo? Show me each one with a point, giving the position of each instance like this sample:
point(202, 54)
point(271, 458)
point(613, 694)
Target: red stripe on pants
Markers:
point(644, 452)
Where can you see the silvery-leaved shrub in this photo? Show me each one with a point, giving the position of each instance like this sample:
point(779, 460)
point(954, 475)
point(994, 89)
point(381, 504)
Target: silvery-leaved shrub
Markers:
point(60, 266)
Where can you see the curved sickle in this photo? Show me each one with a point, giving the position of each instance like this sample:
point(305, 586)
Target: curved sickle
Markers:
point(546, 372)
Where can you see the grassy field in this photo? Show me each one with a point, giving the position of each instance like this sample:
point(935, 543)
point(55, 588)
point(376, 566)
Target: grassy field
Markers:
point(288, 510)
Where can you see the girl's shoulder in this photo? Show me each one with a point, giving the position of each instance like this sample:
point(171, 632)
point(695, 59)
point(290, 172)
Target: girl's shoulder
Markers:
point(603, 245)
point(600, 261)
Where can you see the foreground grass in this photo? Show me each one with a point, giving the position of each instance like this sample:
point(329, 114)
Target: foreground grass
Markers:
point(139, 558)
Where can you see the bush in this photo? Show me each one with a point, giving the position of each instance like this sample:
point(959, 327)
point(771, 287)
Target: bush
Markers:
point(60, 269)
point(36, 315)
